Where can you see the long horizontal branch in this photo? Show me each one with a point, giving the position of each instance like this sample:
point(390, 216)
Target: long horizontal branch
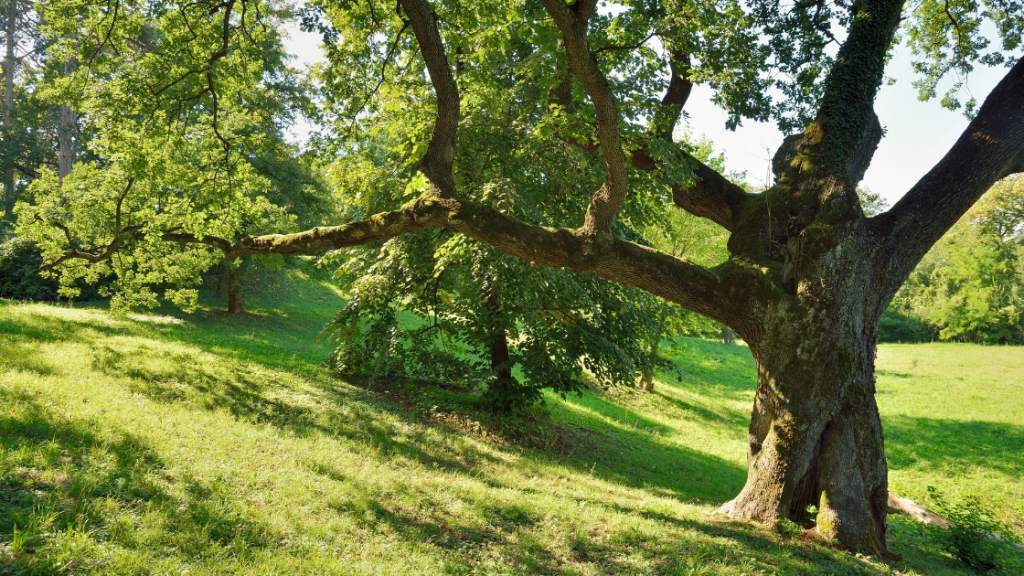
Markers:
point(991, 148)
point(674, 279)
point(105, 252)
point(707, 292)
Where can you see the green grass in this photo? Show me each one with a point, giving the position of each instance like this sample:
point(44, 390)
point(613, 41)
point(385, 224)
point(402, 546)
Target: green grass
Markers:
point(207, 444)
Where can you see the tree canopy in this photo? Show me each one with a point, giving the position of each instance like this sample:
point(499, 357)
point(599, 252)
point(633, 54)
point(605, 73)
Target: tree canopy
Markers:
point(178, 91)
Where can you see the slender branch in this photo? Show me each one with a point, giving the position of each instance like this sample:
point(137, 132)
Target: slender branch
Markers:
point(383, 70)
point(676, 95)
point(120, 201)
point(634, 46)
point(106, 38)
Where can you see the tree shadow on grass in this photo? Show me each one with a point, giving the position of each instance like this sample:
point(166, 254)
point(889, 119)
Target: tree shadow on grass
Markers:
point(629, 457)
point(937, 443)
point(639, 461)
point(63, 476)
point(619, 413)
point(722, 416)
point(174, 377)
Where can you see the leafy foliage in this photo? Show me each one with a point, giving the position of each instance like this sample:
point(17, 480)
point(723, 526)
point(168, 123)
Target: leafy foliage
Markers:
point(184, 122)
point(898, 324)
point(973, 535)
point(947, 37)
point(970, 286)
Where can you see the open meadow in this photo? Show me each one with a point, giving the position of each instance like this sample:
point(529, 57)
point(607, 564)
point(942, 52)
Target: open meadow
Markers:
point(165, 443)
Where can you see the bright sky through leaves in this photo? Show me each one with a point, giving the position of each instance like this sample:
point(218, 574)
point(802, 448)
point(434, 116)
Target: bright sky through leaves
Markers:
point(918, 133)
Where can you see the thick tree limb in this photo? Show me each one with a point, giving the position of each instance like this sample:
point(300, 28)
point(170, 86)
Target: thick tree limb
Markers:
point(671, 278)
point(845, 134)
point(436, 163)
point(991, 148)
point(711, 196)
point(572, 22)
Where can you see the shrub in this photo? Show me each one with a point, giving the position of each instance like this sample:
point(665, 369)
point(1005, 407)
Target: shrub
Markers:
point(19, 272)
point(20, 260)
point(897, 325)
point(974, 536)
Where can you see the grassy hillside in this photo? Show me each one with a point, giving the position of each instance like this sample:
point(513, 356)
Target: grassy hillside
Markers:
point(207, 444)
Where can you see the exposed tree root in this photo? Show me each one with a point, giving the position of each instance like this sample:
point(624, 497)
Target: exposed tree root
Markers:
point(899, 505)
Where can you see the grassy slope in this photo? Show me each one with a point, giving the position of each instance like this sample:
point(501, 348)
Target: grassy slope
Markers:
point(215, 445)
point(954, 419)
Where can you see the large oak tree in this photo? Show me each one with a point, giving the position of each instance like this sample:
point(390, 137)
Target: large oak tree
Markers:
point(808, 274)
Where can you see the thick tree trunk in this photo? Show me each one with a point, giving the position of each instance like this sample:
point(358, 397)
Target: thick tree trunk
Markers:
point(816, 439)
point(66, 134)
point(815, 434)
point(235, 301)
point(10, 41)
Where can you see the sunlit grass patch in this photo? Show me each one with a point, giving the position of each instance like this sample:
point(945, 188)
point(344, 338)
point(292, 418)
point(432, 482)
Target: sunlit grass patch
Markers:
point(218, 445)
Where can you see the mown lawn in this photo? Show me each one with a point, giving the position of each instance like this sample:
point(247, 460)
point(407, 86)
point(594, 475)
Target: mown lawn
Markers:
point(209, 444)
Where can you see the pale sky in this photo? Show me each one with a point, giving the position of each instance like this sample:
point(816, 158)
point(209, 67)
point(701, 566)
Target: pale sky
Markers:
point(918, 133)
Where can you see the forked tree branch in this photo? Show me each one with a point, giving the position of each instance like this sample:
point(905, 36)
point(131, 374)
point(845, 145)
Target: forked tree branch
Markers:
point(991, 148)
point(711, 195)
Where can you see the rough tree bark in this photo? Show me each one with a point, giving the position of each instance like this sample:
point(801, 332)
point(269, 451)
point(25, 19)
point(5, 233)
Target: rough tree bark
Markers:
point(67, 133)
point(808, 274)
point(10, 41)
